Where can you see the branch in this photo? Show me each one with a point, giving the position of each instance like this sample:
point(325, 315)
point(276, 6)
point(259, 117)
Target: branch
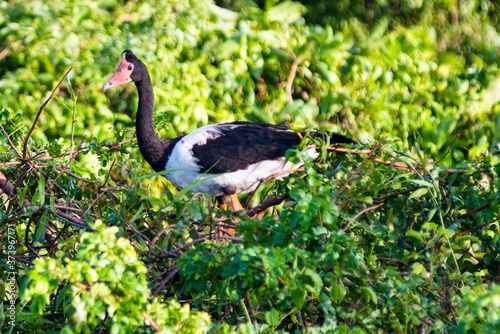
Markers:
point(398, 165)
point(9, 189)
point(10, 142)
point(151, 322)
point(79, 150)
point(291, 77)
point(40, 111)
point(271, 201)
point(474, 211)
point(475, 228)
point(165, 281)
point(357, 170)
point(360, 213)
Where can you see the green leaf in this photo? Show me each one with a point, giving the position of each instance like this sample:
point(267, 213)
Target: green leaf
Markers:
point(418, 193)
point(22, 196)
point(62, 294)
point(415, 234)
point(52, 201)
point(422, 183)
point(138, 214)
point(369, 295)
point(338, 293)
point(273, 317)
point(41, 189)
point(318, 282)
point(299, 296)
point(185, 190)
point(286, 12)
point(326, 72)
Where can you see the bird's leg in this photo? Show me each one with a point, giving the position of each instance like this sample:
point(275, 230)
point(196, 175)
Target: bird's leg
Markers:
point(223, 204)
point(236, 203)
point(222, 201)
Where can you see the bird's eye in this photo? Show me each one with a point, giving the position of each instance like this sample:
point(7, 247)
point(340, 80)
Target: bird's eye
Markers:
point(130, 67)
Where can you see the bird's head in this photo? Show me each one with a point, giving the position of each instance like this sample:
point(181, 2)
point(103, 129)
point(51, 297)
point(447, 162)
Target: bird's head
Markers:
point(130, 69)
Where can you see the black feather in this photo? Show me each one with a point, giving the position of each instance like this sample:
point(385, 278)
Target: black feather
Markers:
point(248, 143)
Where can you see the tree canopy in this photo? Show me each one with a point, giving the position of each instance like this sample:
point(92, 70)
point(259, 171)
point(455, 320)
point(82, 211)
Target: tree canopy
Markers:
point(397, 234)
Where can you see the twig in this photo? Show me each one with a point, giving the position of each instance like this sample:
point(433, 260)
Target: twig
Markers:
point(40, 111)
point(291, 77)
point(10, 142)
point(360, 213)
point(395, 260)
point(272, 177)
point(52, 157)
point(447, 152)
point(398, 193)
point(151, 322)
point(9, 189)
point(397, 165)
point(357, 170)
point(271, 201)
point(48, 187)
point(474, 211)
point(165, 281)
point(99, 196)
point(475, 228)
point(301, 322)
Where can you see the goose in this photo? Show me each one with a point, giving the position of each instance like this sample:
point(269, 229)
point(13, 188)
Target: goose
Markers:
point(232, 158)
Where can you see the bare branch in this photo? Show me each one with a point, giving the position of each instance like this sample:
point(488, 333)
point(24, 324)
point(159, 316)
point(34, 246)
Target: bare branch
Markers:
point(360, 213)
point(25, 150)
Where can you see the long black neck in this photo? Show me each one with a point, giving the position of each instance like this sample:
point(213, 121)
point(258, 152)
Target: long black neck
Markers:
point(152, 148)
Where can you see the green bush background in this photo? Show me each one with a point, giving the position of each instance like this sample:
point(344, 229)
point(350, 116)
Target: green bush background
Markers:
point(415, 73)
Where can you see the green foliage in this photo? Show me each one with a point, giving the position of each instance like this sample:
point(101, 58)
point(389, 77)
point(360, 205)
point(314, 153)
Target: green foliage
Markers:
point(99, 244)
point(399, 268)
point(373, 71)
point(105, 286)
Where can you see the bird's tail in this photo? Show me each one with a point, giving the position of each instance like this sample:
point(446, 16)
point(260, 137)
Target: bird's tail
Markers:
point(335, 138)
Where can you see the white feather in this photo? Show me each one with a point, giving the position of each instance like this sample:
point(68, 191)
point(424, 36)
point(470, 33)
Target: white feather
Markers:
point(187, 170)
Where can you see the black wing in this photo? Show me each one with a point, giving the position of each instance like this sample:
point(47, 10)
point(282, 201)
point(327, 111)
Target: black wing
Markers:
point(245, 143)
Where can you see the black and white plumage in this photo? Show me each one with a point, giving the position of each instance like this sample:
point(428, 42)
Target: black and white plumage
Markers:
point(234, 157)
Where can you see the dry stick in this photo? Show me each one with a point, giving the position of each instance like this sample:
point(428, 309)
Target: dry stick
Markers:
point(62, 171)
point(397, 165)
point(475, 228)
point(292, 76)
point(395, 260)
point(152, 323)
point(357, 170)
point(26, 169)
point(9, 189)
point(70, 218)
point(360, 213)
point(40, 112)
point(271, 201)
point(65, 171)
point(447, 152)
point(99, 196)
point(165, 281)
point(52, 157)
point(10, 142)
point(474, 211)
point(158, 235)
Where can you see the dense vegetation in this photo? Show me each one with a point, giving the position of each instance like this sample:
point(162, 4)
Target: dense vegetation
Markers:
point(398, 234)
